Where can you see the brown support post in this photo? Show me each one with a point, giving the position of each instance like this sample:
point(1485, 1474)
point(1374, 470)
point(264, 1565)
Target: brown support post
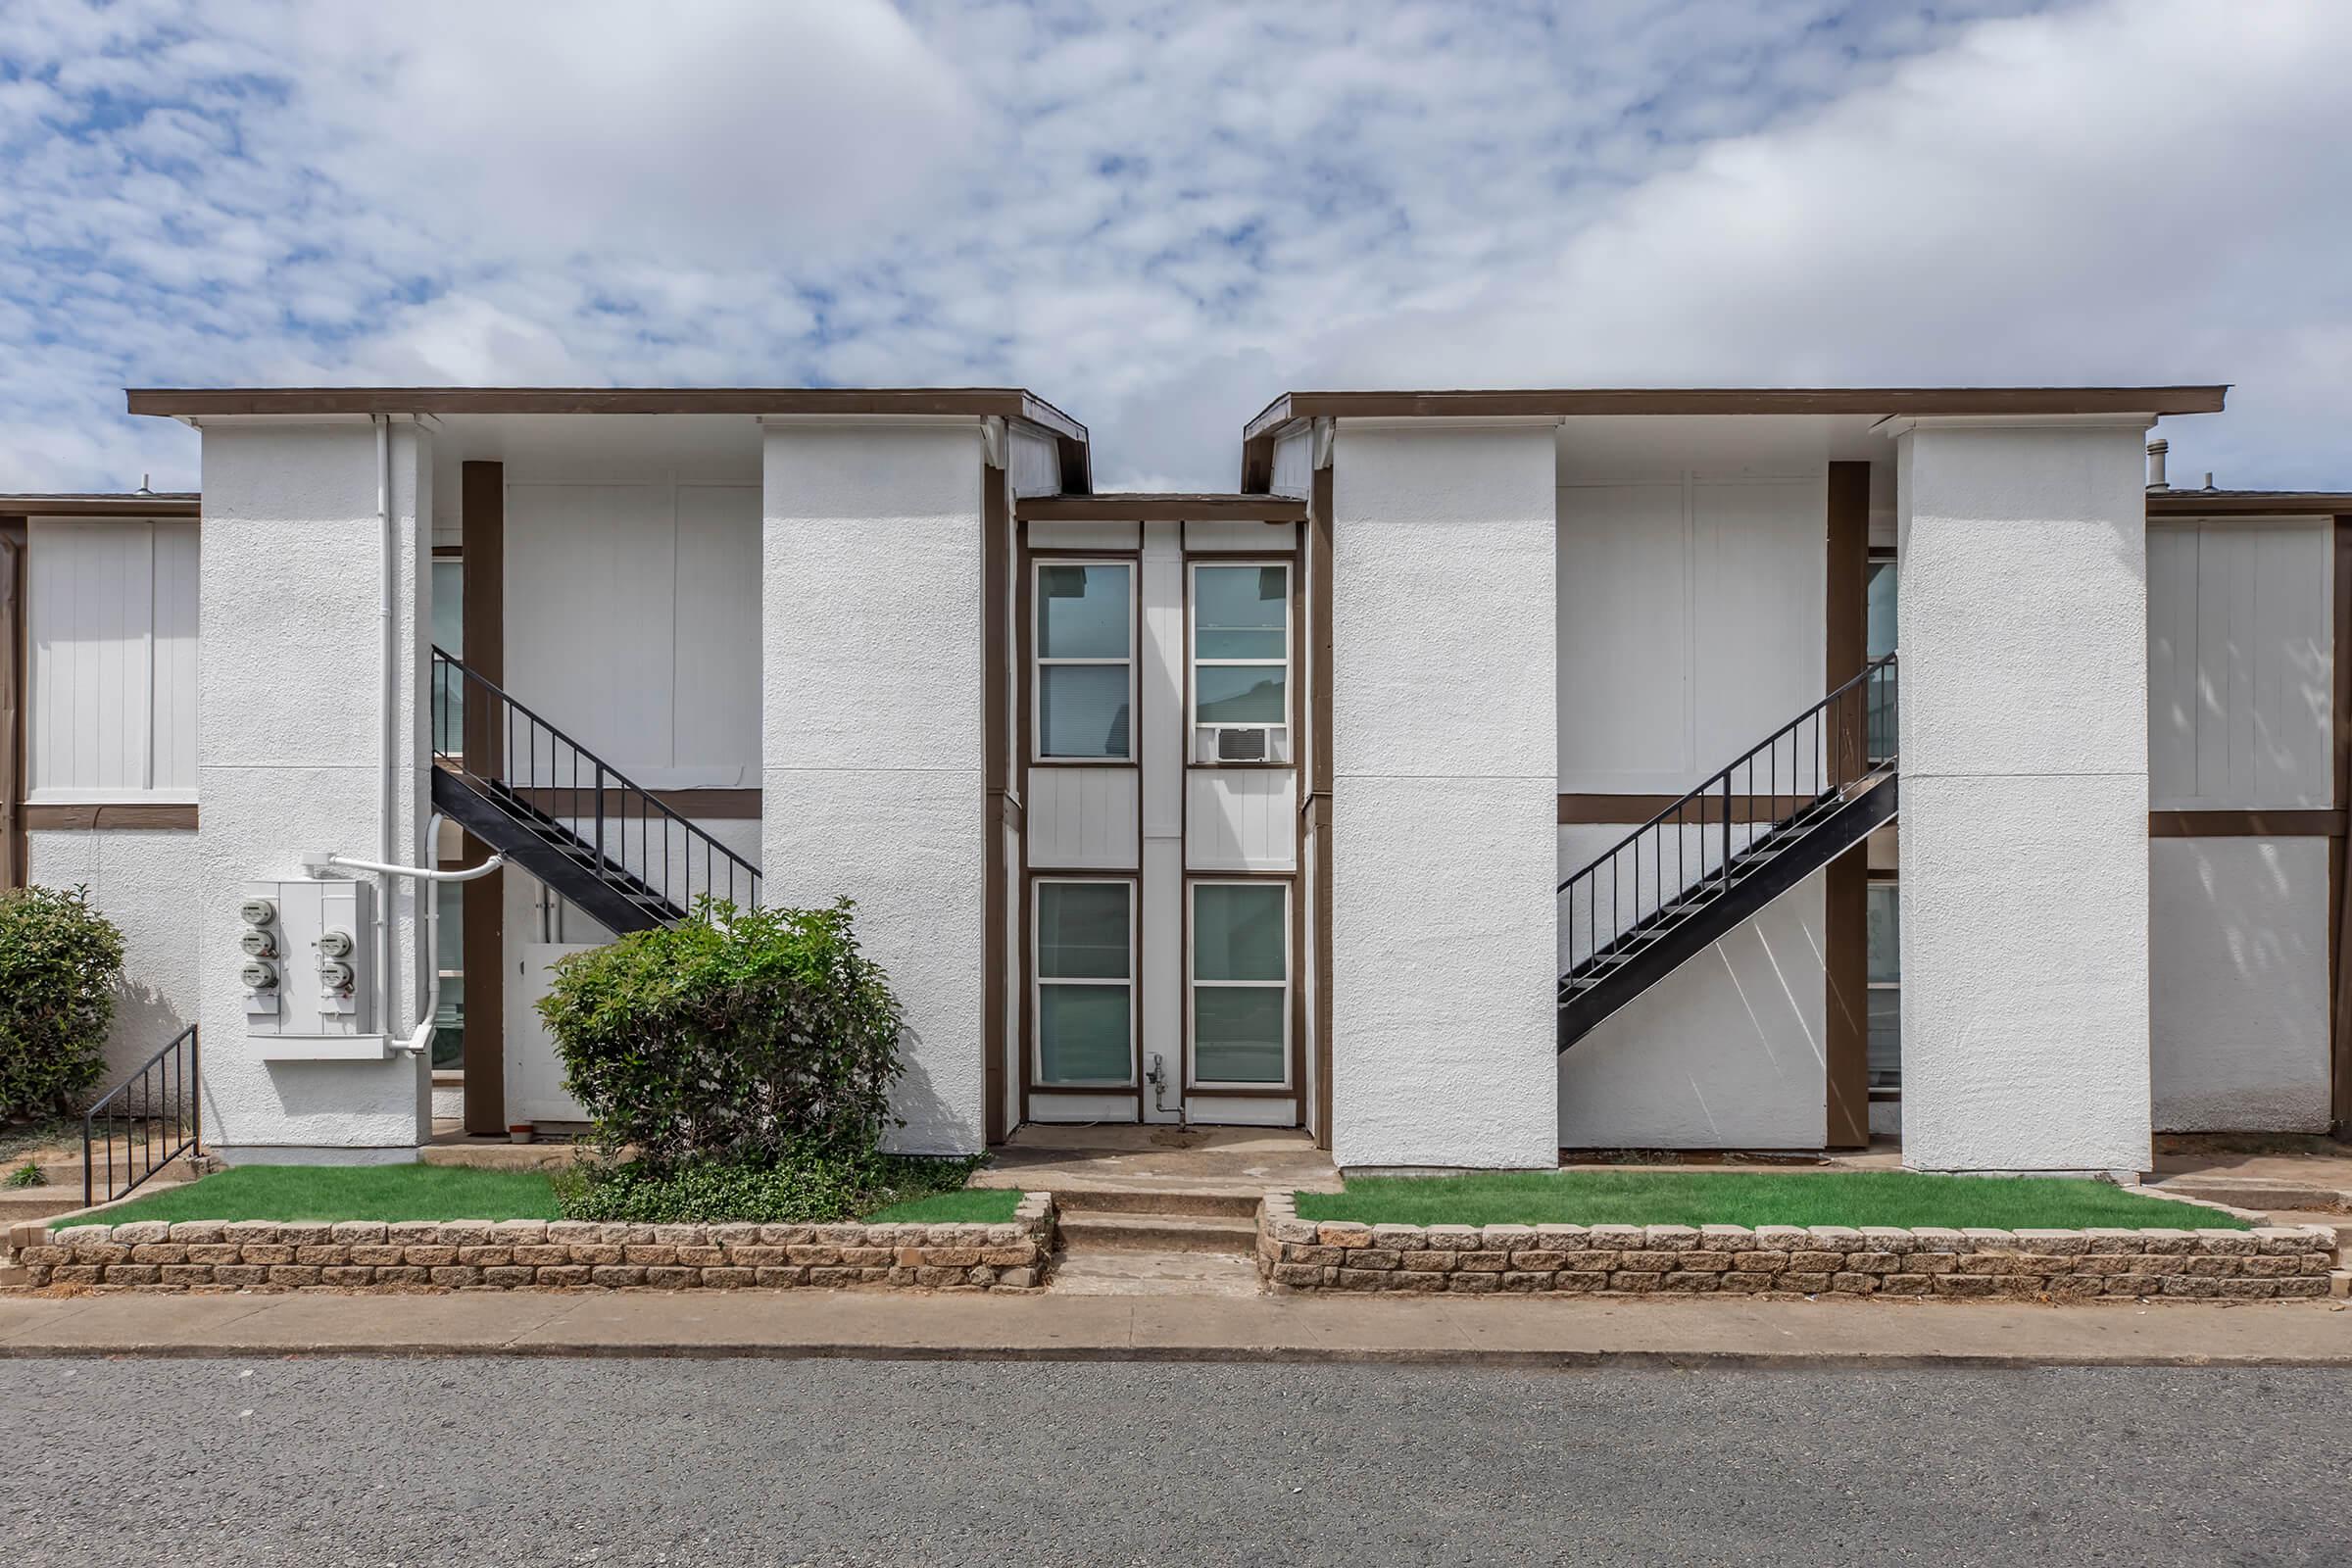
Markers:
point(996, 675)
point(13, 847)
point(1318, 725)
point(482, 504)
point(1846, 882)
point(2339, 886)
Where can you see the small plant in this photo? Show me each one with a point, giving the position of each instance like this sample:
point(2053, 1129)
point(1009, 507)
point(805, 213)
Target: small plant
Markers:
point(60, 961)
point(798, 1190)
point(27, 1174)
point(740, 1037)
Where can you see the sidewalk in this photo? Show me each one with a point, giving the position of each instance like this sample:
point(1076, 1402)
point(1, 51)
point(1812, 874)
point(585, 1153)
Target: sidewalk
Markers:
point(1534, 1334)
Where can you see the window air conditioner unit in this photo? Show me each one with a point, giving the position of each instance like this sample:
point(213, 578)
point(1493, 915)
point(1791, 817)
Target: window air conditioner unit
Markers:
point(1240, 746)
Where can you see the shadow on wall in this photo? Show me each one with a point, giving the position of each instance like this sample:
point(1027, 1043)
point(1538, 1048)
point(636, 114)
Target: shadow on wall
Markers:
point(933, 1126)
point(145, 1022)
point(2240, 985)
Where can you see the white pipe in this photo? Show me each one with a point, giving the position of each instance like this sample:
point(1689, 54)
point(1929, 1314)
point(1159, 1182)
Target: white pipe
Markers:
point(421, 1038)
point(387, 786)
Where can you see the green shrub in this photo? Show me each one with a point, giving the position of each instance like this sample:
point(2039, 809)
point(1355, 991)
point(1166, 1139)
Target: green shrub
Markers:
point(740, 1037)
point(60, 960)
point(797, 1190)
point(25, 1175)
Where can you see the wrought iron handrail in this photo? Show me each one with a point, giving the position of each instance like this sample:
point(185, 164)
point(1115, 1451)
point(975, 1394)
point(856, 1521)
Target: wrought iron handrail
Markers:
point(615, 804)
point(169, 1091)
point(1844, 739)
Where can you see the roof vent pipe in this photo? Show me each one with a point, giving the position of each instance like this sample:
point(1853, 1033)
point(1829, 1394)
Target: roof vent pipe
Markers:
point(2208, 479)
point(2156, 451)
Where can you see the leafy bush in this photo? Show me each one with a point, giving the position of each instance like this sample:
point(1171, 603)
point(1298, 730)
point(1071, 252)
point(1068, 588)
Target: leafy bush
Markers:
point(753, 1037)
point(798, 1190)
point(59, 963)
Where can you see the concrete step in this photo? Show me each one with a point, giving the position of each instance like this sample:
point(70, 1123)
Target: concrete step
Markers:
point(1083, 1232)
point(1075, 1198)
point(2269, 1194)
point(22, 1208)
point(1153, 1273)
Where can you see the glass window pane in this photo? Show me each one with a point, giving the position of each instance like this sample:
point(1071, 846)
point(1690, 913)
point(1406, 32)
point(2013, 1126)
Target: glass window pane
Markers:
point(1082, 711)
point(1082, 930)
point(449, 635)
point(1240, 612)
point(452, 935)
point(449, 1025)
point(1883, 925)
point(1879, 636)
point(1082, 1034)
point(1242, 694)
point(1236, 1034)
point(1238, 931)
point(1884, 1053)
point(1082, 613)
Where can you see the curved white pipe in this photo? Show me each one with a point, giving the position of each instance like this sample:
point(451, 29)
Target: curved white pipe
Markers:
point(421, 1038)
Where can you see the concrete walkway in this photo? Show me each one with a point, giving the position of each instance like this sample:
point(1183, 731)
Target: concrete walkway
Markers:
point(883, 1327)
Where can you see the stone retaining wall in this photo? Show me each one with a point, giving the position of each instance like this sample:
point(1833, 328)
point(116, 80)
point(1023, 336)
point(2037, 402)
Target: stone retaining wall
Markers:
point(2289, 1261)
point(362, 1254)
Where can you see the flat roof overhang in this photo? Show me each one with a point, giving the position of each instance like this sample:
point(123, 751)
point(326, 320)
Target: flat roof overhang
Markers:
point(102, 504)
point(1566, 403)
point(1010, 403)
point(2250, 503)
point(1135, 506)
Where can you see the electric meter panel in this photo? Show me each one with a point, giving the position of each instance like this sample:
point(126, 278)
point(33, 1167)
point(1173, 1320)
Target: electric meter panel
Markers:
point(305, 953)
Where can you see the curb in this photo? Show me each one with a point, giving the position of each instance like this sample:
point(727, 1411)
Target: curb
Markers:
point(1235, 1355)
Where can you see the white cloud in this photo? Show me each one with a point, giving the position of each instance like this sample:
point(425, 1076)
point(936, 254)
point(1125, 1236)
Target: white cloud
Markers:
point(1159, 214)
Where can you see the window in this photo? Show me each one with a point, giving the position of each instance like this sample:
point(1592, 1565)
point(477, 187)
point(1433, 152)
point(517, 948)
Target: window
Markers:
point(1877, 643)
point(1241, 654)
point(1884, 1053)
point(111, 687)
point(449, 1022)
point(1241, 1012)
point(1085, 989)
point(1085, 660)
point(449, 635)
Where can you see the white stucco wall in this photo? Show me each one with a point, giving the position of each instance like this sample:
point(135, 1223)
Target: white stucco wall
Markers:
point(1443, 797)
point(2025, 757)
point(2238, 953)
point(149, 882)
point(871, 734)
point(1725, 1052)
point(289, 755)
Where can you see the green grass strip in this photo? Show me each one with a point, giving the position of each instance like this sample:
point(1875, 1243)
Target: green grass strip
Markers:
point(1741, 1197)
point(349, 1192)
point(972, 1206)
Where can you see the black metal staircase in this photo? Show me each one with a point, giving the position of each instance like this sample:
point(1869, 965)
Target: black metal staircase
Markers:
point(1787, 807)
point(562, 813)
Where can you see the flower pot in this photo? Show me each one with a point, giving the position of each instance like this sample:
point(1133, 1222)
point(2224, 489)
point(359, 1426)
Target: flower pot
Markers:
point(519, 1133)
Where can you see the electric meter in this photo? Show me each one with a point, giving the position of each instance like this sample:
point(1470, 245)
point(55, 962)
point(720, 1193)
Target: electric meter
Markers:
point(259, 976)
point(256, 911)
point(334, 945)
point(258, 945)
point(337, 976)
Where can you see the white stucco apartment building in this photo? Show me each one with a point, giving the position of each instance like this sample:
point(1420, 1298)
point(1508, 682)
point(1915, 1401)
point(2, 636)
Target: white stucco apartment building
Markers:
point(1492, 774)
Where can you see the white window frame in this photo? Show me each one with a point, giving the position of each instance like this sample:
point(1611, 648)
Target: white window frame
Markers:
point(1193, 983)
point(1193, 663)
point(1039, 981)
point(1039, 662)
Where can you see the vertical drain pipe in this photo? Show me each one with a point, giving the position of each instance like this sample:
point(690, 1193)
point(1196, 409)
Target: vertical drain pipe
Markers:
point(387, 792)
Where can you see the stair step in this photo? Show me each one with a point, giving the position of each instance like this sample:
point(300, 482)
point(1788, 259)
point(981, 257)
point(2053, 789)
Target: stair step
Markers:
point(1159, 1233)
point(1153, 1273)
point(1237, 1200)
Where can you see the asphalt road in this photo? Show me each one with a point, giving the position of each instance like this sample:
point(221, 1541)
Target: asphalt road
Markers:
point(516, 1462)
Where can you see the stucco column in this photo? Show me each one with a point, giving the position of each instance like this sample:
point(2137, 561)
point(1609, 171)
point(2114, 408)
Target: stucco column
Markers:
point(290, 752)
point(2022, 554)
point(1445, 782)
point(871, 732)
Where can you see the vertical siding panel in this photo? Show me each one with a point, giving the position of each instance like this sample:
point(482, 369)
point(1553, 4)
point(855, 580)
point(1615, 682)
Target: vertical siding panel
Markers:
point(173, 747)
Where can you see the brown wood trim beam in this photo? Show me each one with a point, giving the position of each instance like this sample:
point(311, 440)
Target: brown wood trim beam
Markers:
point(112, 814)
point(710, 805)
point(1846, 924)
point(2239, 824)
point(482, 947)
point(1632, 810)
point(174, 504)
point(15, 851)
point(2249, 503)
point(482, 628)
point(2339, 854)
point(996, 770)
point(1137, 508)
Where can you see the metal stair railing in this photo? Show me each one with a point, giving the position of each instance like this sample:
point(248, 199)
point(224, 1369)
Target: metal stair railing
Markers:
point(575, 802)
point(152, 1117)
point(1694, 852)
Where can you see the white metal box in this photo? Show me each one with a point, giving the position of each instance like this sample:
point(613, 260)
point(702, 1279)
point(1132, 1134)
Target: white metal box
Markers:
point(306, 954)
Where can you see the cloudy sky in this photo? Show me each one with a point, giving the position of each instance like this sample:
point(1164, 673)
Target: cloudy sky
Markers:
point(1159, 216)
